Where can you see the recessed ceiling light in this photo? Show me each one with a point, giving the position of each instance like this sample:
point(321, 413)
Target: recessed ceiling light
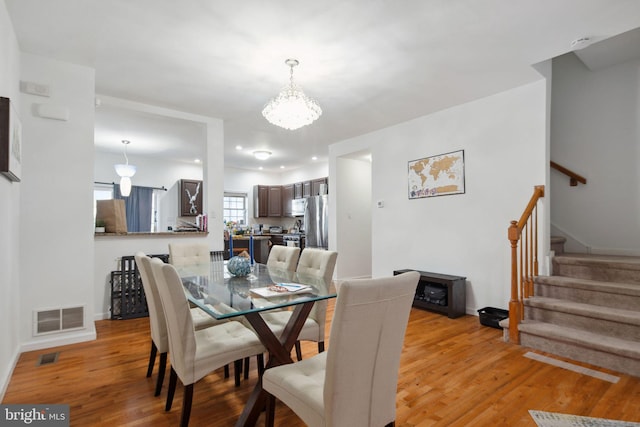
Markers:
point(238, 147)
point(197, 160)
point(314, 158)
point(281, 167)
point(260, 168)
point(262, 154)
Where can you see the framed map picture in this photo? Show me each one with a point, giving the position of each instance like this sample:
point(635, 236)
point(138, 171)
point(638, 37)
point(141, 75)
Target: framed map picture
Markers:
point(190, 197)
point(439, 175)
point(10, 141)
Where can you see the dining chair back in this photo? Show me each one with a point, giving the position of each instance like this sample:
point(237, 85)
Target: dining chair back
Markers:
point(368, 347)
point(186, 254)
point(283, 257)
point(157, 322)
point(317, 262)
point(321, 264)
point(354, 383)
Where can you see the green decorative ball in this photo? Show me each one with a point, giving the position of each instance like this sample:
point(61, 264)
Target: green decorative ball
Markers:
point(239, 266)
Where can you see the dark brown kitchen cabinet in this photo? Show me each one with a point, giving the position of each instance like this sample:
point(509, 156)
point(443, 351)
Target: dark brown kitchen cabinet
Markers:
point(275, 200)
point(260, 201)
point(306, 189)
point(287, 198)
point(277, 239)
point(297, 190)
point(316, 186)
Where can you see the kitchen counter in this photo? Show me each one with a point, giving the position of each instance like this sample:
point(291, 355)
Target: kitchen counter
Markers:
point(243, 237)
point(154, 234)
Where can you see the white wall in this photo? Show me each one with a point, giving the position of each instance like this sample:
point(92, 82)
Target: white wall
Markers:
point(504, 138)
point(353, 197)
point(10, 194)
point(56, 209)
point(595, 131)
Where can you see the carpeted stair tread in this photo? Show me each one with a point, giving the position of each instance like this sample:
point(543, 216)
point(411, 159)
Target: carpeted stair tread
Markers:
point(582, 338)
point(613, 261)
point(558, 239)
point(631, 289)
point(619, 315)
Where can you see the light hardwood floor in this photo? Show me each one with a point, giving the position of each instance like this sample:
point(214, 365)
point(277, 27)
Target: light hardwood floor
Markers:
point(452, 373)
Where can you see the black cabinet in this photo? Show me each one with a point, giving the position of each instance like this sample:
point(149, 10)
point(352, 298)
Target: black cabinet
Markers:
point(440, 292)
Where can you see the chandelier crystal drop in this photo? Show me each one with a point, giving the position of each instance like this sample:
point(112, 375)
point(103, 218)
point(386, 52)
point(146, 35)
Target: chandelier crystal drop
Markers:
point(291, 109)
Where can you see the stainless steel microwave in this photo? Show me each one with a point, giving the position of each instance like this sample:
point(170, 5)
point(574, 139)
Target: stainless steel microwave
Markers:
point(297, 207)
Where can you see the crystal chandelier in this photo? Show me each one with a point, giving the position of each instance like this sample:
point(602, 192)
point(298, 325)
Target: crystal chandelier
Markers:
point(125, 172)
point(291, 109)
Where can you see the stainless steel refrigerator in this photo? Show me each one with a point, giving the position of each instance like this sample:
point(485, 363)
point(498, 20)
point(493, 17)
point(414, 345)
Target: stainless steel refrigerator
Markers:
point(316, 226)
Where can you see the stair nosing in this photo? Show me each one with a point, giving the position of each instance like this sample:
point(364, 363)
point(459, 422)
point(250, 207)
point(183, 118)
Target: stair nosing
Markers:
point(613, 314)
point(617, 262)
point(631, 289)
point(625, 348)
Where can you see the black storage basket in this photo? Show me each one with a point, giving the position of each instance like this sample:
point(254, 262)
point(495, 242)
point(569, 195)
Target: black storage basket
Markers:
point(490, 316)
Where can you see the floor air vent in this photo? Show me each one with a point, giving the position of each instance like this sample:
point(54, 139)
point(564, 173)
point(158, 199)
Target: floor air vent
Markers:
point(58, 320)
point(47, 359)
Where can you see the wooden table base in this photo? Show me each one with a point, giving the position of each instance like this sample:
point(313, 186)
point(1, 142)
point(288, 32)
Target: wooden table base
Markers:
point(279, 354)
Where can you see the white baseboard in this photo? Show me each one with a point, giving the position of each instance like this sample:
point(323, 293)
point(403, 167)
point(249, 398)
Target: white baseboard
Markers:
point(4, 381)
point(55, 341)
point(101, 316)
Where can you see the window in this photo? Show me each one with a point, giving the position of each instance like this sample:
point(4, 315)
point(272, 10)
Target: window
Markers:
point(235, 207)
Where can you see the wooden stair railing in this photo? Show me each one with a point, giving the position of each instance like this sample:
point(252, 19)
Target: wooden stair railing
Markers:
point(523, 236)
point(574, 178)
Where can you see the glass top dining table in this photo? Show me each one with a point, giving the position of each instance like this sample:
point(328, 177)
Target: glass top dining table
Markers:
point(224, 296)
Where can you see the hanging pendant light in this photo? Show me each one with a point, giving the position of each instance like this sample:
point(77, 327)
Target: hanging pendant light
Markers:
point(291, 109)
point(125, 172)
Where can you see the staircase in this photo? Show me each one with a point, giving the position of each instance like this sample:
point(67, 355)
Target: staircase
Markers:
point(589, 311)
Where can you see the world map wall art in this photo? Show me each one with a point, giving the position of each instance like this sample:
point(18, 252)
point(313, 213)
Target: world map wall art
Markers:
point(439, 175)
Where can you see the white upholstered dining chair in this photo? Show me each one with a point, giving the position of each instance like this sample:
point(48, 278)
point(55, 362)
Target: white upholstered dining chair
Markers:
point(317, 263)
point(158, 324)
point(353, 383)
point(313, 264)
point(186, 254)
point(196, 353)
point(283, 257)
point(196, 257)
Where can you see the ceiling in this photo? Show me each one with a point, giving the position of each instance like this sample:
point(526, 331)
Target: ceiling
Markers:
point(368, 63)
